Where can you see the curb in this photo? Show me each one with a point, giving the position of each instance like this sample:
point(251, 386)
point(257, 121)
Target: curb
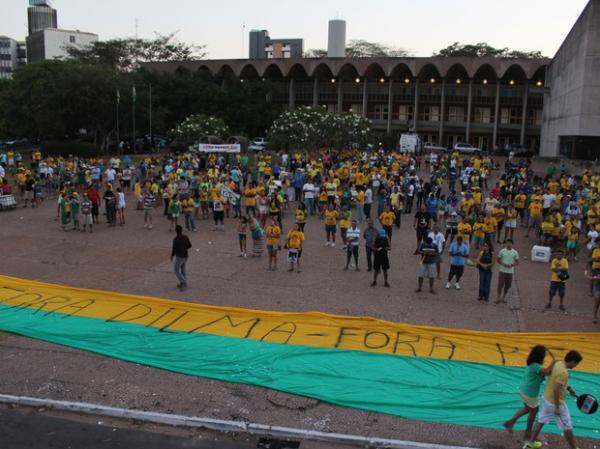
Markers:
point(220, 425)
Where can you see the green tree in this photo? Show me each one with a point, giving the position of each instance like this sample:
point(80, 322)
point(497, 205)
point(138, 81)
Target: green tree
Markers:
point(129, 54)
point(484, 49)
point(363, 49)
point(61, 100)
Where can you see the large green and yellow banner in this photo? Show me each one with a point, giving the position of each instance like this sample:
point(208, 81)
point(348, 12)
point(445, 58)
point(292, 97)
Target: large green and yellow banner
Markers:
point(434, 374)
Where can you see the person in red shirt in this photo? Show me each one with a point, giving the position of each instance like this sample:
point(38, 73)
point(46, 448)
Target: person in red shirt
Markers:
point(6, 189)
point(94, 197)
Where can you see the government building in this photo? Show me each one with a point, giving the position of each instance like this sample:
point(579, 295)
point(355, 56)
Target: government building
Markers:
point(550, 106)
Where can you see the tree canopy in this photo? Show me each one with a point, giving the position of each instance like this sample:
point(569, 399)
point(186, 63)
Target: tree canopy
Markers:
point(484, 49)
point(128, 54)
point(363, 49)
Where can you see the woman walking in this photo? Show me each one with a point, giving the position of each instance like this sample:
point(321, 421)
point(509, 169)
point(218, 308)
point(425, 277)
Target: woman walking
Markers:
point(530, 389)
point(120, 206)
point(485, 265)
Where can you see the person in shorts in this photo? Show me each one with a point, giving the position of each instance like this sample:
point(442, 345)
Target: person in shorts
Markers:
point(560, 270)
point(529, 390)
point(508, 259)
point(429, 253)
point(553, 404)
point(148, 200)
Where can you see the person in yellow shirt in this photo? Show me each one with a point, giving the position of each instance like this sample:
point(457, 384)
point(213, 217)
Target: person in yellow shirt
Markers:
point(498, 213)
point(491, 227)
point(520, 200)
point(465, 230)
point(535, 214)
point(386, 219)
point(273, 233)
point(344, 217)
point(250, 200)
point(187, 207)
point(553, 405)
point(360, 205)
point(479, 232)
point(295, 241)
point(300, 216)
point(331, 216)
point(322, 201)
point(559, 275)
point(547, 229)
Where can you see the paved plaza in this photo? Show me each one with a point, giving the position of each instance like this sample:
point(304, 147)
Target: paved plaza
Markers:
point(135, 260)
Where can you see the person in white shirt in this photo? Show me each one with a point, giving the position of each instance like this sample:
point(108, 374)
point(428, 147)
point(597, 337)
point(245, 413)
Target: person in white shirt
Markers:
point(438, 239)
point(309, 196)
point(547, 200)
point(353, 240)
point(368, 202)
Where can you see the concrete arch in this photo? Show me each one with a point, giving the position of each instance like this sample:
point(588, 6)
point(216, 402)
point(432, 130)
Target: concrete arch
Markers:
point(428, 71)
point(347, 71)
point(224, 71)
point(400, 70)
point(514, 71)
point(373, 71)
point(322, 71)
point(297, 70)
point(272, 71)
point(485, 71)
point(539, 74)
point(248, 71)
point(456, 71)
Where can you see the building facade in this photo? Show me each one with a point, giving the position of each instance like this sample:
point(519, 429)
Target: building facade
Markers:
point(41, 15)
point(571, 125)
point(489, 102)
point(53, 43)
point(12, 55)
point(261, 46)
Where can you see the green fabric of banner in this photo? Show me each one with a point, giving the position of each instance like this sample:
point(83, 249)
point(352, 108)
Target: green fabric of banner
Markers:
point(442, 391)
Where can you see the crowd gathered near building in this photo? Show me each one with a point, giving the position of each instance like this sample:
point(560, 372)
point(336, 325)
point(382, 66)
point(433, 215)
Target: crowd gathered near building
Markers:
point(362, 197)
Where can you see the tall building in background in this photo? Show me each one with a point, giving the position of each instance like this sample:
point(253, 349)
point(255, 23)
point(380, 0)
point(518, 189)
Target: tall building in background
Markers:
point(53, 43)
point(336, 43)
point(263, 47)
point(9, 57)
point(41, 15)
point(45, 39)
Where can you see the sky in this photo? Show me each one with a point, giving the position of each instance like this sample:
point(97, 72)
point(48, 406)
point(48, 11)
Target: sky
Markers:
point(420, 26)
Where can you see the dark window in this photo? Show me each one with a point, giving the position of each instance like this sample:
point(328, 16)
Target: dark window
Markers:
point(72, 39)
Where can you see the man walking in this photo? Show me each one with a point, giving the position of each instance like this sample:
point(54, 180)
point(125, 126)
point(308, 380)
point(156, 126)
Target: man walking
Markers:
point(553, 404)
point(370, 235)
point(181, 245)
point(508, 259)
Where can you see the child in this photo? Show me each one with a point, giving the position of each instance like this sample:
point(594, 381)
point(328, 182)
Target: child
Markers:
point(242, 235)
point(75, 210)
point(529, 389)
point(301, 216)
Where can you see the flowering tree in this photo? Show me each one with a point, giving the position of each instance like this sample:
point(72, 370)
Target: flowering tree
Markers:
point(195, 126)
point(311, 128)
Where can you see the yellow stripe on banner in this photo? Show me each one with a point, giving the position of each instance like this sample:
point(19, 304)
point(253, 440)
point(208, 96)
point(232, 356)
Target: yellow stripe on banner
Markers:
point(310, 328)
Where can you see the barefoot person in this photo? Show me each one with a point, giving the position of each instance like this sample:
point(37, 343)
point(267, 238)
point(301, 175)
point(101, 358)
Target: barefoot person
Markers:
point(529, 390)
point(553, 404)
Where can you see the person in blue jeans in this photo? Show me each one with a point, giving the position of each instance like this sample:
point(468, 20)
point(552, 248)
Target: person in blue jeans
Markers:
point(485, 265)
point(459, 253)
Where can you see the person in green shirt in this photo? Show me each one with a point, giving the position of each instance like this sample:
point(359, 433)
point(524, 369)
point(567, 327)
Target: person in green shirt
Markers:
point(529, 390)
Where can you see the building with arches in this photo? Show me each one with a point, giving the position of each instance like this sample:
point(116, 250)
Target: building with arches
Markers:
point(488, 102)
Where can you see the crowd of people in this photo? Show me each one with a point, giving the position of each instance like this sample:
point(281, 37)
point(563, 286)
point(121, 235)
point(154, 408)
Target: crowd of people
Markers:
point(361, 198)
